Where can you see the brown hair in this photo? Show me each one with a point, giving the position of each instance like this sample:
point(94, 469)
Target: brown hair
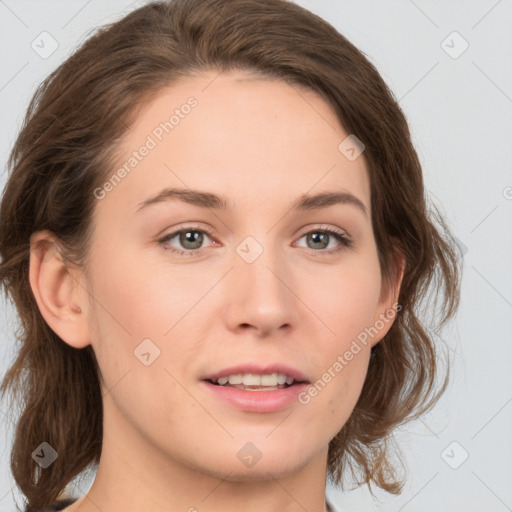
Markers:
point(65, 150)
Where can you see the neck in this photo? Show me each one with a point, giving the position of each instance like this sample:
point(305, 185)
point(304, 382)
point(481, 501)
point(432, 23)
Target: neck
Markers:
point(135, 475)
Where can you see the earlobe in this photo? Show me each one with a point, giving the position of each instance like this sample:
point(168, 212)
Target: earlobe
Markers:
point(400, 263)
point(59, 295)
point(388, 307)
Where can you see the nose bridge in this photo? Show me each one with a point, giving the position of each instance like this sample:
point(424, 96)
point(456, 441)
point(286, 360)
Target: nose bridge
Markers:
point(260, 280)
point(257, 263)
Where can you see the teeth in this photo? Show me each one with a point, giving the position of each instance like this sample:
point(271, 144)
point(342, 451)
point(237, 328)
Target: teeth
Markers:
point(249, 379)
point(268, 380)
point(252, 379)
point(235, 379)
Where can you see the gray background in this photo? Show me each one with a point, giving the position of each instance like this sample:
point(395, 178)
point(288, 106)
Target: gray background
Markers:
point(459, 106)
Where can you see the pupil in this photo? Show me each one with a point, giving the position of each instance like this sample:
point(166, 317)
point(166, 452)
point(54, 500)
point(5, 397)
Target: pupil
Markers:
point(191, 236)
point(317, 236)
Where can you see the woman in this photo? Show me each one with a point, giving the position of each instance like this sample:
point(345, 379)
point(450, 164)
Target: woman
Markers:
point(216, 236)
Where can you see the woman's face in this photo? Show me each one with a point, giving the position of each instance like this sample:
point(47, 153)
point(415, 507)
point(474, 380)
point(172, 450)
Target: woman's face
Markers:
point(261, 287)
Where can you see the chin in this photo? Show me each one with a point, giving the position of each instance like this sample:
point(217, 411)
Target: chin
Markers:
point(249, 465)
point(263, 472)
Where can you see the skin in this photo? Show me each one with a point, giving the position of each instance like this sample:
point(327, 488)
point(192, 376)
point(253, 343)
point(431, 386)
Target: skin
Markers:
point(168, 445)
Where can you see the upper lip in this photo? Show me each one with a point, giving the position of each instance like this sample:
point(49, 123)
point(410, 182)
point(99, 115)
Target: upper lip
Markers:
point(258, 370)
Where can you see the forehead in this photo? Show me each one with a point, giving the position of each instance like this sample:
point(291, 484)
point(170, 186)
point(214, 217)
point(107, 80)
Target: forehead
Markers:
point(252, 138)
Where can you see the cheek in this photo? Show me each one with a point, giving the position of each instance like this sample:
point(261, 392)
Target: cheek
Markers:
point(134, 309)
point(142, 308)
point(344, 300)
point(138, 299)
point(346, 308)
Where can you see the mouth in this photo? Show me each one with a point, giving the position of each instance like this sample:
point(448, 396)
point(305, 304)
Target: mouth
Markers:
point(253, 388)
point(256, 382)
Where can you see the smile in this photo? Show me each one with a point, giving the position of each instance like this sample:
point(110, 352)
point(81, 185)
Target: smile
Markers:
point(255, 382)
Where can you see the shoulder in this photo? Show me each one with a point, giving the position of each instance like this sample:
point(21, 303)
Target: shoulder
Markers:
point(59, 505)
point(329, 506)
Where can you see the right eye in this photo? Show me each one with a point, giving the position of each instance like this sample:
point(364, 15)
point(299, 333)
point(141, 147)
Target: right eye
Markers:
point(191, 239)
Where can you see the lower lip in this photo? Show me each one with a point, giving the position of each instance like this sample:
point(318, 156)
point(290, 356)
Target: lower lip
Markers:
point(257, 401)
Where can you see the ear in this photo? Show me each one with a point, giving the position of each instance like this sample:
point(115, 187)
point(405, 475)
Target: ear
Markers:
point(388, 307)
point(61, 298)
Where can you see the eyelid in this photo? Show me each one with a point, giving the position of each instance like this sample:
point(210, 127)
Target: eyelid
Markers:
point(324, 227)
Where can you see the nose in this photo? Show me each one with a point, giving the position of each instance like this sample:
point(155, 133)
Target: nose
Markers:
point(260, 296)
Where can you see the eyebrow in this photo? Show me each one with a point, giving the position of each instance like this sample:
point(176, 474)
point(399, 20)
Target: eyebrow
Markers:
point(217, 202)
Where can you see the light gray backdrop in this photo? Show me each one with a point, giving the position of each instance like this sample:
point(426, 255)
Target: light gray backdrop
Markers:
point(450, 66)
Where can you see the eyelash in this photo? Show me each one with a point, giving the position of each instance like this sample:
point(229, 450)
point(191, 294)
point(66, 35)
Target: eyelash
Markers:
point(345, 241)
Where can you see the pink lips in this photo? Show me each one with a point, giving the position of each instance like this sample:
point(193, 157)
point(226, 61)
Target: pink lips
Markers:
point(257, 401)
